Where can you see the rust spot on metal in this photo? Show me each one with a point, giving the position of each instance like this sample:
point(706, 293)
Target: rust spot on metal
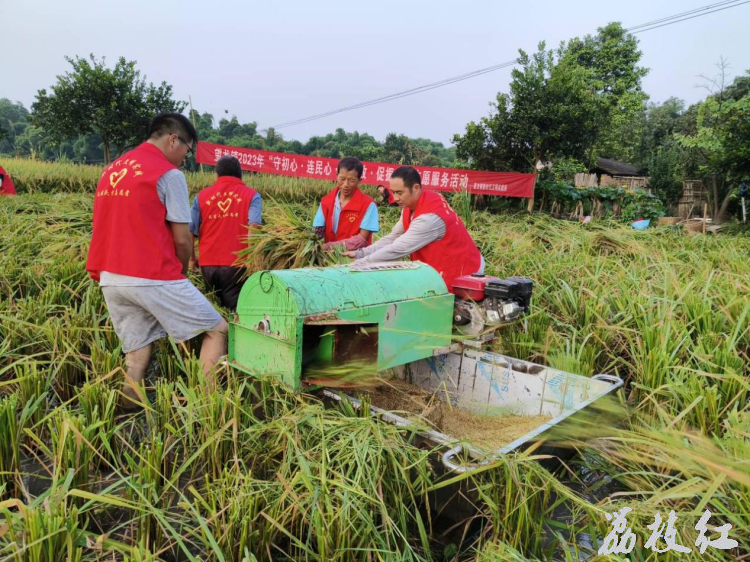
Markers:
point(323, 317)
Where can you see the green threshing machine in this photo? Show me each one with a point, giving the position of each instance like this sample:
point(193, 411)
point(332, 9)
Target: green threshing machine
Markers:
point(401, 316)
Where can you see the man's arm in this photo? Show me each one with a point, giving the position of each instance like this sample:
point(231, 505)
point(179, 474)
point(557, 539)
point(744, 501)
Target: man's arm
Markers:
point(370, 223)
point(172, 190)
point(388, 239)
point(255, 211)
point(319, 223)
point(195, 225)
point(183, 243)
point(423, 230)
point(193, 263)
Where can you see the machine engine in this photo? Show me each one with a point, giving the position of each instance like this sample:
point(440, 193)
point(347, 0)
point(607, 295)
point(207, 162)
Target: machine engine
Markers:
point(484, 302)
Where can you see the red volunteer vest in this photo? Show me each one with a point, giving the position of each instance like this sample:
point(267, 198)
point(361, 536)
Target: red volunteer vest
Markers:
point(350, 218)
point(7, 188)
point(131, 235)
point(223, 231)
point(455, 254)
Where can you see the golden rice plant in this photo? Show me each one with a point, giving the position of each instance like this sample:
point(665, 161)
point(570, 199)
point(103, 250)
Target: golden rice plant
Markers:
point(285, 241)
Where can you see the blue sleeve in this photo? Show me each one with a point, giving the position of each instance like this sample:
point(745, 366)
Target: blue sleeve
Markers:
point(319, 219)
point(255, 210)
point(371, 221)
point(195, 217)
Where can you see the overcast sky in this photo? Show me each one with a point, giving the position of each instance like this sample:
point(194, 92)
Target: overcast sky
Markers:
point(275, 61)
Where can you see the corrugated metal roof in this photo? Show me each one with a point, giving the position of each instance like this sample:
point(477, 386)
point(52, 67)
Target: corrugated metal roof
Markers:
point(616, 168)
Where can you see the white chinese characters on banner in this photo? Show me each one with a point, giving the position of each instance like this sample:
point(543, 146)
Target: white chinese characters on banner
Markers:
point(252, 160)
point(374, 173)
point(627, 541)
point(498, 188)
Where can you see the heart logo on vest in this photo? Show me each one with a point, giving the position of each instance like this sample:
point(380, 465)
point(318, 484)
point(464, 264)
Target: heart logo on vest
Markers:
point(115, 177)
point(224, 205)
point(352, 218)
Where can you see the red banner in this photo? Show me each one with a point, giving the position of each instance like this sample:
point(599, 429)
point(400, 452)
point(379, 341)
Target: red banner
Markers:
point(507, 184)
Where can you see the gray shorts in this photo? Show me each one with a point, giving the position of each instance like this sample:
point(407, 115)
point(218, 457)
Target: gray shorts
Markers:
point(142, 315)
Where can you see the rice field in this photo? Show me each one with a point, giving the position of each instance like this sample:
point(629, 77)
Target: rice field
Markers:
point(251, 472)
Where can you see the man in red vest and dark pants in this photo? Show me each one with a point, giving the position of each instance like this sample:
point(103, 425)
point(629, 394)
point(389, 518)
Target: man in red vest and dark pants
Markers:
point(388, 198)
point(6, 184)
point(346, 216)
point(140, 248)
point(221, 215)
point(428, 231)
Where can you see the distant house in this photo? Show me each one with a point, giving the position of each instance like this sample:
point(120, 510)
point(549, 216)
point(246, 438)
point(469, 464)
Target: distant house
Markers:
point(619, 174)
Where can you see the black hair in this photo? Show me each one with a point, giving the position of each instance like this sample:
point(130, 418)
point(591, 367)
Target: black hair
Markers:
point(408, 175)
point(228, 166)
point(349, 163)
point(172, 124)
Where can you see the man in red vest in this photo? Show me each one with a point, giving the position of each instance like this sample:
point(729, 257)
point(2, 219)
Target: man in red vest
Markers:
point(6, 184)
point(140, 249)
point(220, 218)
point(346, 216)
point(428, 231)
point(388, 198)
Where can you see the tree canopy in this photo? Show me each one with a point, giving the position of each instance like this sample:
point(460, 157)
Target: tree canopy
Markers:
point(116, 104)
point(577, 101)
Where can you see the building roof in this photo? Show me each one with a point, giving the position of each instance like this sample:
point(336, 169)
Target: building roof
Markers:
point(615, 168)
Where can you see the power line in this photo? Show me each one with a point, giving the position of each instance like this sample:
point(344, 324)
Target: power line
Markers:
point(648, 26)
point(675, 16)
point(692, 17)
point(405, 93)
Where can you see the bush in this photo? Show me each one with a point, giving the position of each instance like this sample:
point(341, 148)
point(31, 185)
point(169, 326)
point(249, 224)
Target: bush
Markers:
point(602, 202)
point(642, 205)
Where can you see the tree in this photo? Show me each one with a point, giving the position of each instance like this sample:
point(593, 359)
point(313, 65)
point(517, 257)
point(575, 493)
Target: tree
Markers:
point(13, 121)
point(665, 166)
point(550, 112)
point(660, 122)
point(612, 57)
point(721, 141)
point(574, 102)
point(116, 104)
point(400, 150)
